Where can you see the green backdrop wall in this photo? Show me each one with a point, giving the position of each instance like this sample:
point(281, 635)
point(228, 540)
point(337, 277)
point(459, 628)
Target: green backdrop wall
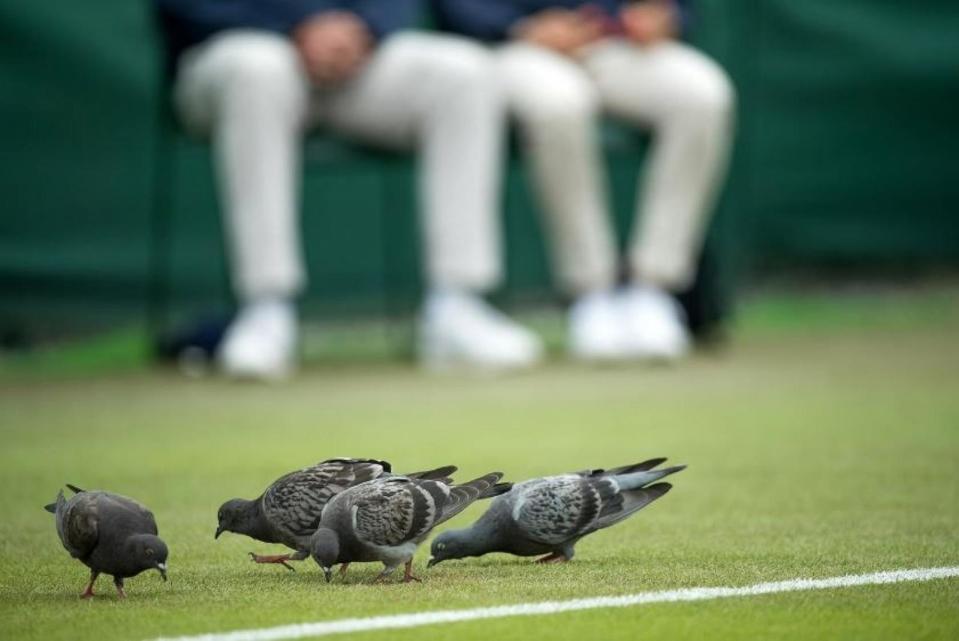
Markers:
point(846, 153)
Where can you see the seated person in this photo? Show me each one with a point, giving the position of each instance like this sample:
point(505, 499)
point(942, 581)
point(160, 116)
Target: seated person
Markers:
point(563, 63)
point(255, 75)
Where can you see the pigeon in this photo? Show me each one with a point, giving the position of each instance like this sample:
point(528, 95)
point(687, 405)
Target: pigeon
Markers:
point(110, 534)
point(387, 518)
point(288, 511)
point(548, 516)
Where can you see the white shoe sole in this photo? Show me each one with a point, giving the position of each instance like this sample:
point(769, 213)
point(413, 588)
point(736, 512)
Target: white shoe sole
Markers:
point(442, 359)
point(258, 375)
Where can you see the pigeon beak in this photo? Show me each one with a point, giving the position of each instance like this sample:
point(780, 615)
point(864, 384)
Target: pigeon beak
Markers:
point(162, 568)
point(433, 561)
point(219, 531)
point(328, 573)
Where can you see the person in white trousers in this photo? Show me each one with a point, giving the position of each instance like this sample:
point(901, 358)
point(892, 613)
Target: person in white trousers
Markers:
point(563, 64)
point(255, 83)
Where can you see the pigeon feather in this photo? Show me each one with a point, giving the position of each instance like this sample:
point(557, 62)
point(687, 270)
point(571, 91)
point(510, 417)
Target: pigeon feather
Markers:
point(109, 533)
point(387, 518)
point(293, 503)
point(550, 515)
point(289, 510)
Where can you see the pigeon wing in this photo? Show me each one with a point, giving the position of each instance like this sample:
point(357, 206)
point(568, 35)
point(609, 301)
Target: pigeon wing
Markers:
point(396, 510)
point(131, 511)
point(630, 502)
point(460, 497)
point(623, 469)
point(78, 523)
point(293, 503)
point(556, 509)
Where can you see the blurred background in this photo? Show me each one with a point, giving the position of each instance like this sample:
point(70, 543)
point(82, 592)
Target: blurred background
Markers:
point(845, 170)
point(821, 441)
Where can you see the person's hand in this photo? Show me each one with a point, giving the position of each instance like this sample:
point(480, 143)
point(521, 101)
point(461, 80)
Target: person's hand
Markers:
point(333, 46)
point(649, 22)
point(561, 30)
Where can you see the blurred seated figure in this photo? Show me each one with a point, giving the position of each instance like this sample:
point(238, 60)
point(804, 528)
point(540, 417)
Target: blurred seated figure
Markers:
point(564, 62)
point(254, 75)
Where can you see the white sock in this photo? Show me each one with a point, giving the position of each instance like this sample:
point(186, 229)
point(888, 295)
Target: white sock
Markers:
point(269, 309)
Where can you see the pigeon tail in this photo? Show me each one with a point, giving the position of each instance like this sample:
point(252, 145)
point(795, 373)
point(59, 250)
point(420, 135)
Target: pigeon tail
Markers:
point(480, 486)
point(636, 480)
point(637, 467)
point(52, 507)
point(496, 490)
point(462, 495)
point(441, 474)
point(632, 502)
point(387, 467)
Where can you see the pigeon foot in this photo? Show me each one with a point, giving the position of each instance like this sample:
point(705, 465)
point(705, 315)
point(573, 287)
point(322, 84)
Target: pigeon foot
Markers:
point(88, 592)
point(273, 558)
point(382, 576)
point(344, 568)
point(555, 557)
point(408, 574)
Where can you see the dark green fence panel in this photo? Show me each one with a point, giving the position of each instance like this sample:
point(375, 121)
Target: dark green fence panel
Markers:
point(846, 152)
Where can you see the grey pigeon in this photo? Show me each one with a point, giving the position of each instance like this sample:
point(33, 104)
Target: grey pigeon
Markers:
point(550, 515)
point(386, 519)
point(288, 511)
point(110, 534)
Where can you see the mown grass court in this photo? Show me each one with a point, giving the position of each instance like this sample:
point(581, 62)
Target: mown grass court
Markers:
point(823, 441)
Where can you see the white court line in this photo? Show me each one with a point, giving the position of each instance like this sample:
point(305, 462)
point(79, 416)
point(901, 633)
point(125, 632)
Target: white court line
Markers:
point(417, 619)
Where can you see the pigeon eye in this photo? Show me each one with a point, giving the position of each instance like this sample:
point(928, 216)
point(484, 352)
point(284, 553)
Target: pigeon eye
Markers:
point(440, 546)
point(149, 551)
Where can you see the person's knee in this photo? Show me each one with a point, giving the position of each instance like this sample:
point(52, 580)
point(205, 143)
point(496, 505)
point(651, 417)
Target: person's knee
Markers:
point(710, 95)
point(718, 95)
point(262, 64)
point(455, 62)
point(559, 108)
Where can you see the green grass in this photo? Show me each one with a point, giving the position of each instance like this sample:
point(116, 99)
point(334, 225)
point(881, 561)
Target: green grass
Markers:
point(823, 441)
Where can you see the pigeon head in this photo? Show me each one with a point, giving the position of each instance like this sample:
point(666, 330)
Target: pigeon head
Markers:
point(454, 544)
point(148, 552)
point(325, 550)
point(236, 515)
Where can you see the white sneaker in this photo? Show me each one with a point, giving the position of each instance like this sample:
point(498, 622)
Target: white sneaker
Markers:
point(461, 330)
point(597, 331)
point(655, 323)
point(259, 344)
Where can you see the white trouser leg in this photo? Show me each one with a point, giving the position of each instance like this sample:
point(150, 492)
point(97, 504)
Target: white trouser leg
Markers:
point(688, 101)
point(557, 108)
point(247, 89)
point(439, 94)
